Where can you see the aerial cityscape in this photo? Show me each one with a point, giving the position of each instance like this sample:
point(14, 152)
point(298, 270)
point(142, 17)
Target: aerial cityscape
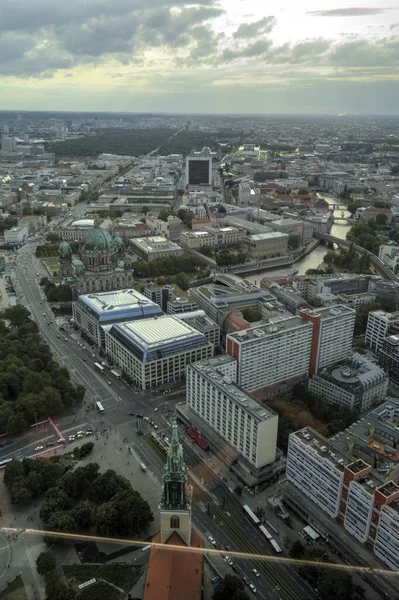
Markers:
point(199, 301)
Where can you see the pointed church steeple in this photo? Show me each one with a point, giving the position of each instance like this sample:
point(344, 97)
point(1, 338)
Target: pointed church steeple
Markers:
point(174, 494)
point(175, 501)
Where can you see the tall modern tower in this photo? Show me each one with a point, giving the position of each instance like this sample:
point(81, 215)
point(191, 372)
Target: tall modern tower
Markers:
point(175, 505)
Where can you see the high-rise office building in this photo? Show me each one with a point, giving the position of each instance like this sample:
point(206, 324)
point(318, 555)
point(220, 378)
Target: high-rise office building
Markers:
point(332, 335)
point(199, 169)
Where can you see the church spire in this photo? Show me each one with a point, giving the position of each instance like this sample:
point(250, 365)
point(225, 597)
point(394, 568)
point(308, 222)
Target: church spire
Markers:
point(174, 494)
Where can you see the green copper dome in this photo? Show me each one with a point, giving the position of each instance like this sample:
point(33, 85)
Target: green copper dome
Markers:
point(97, 238)
point(64, 248)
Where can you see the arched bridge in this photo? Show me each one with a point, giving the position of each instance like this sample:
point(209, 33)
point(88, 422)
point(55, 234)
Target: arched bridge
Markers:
point(375, 261)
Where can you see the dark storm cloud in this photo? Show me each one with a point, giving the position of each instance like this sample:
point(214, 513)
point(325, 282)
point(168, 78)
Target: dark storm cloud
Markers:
point(354, 11)
point(84, 32)
point(250, 30)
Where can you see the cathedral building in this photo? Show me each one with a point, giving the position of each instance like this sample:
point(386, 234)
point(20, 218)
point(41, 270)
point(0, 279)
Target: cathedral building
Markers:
point(102, 265)
point(175, 574)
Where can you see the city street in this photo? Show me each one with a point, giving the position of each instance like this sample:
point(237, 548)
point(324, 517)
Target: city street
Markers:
point(118, 400)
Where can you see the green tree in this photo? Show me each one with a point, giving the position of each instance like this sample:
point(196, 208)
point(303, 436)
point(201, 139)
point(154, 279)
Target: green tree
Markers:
point(381, 219)
point(56, 588)
point(83, 451)
point(252, 315)
point(17, 315)
point(297, 550)
point(294, 241)
point(206, 251)
point(335, 584)
point(230, 588)
point(45, 563)
point(21, 495)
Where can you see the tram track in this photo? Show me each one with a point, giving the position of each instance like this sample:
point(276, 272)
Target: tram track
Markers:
point(271, 573)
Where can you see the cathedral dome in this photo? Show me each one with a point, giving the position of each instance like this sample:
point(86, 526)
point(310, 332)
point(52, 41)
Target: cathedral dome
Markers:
point(64, 248)
point(118, 241)
point(98, 238)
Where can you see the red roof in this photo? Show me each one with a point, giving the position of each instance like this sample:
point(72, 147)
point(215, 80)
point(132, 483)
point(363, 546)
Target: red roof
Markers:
point(174, 574)
point(234, 322)
point(373, 209)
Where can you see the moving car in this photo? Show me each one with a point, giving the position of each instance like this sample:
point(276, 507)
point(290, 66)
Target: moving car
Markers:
point(212, 541)
point(109, 383)
point(255, 572)
point(89, 432)
point(39, 448)
point(228, 561)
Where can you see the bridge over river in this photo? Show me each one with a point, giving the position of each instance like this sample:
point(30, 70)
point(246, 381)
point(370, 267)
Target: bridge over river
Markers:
point(375, 261)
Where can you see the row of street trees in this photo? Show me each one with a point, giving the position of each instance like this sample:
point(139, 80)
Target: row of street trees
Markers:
point(32, 385)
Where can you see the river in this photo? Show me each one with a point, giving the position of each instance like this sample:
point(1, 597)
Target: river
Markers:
point(315, 258)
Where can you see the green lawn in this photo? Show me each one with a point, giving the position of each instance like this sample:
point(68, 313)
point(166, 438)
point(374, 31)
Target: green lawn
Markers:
point(52, 262)
point(123, 576)
point(15, 591)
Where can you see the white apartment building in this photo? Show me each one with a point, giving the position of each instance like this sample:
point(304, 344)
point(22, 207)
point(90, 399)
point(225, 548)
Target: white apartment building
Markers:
point(380, 324)
point(155, 352)
point(333, 329)
point(386, 546)
point(359, 511)
point(267, 355)
point(316, 468)
point(211, 236)
point(245, 424)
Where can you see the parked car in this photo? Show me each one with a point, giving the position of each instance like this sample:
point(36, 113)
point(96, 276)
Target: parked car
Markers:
point(245, 580)
point(215, 580)
point(252, 588)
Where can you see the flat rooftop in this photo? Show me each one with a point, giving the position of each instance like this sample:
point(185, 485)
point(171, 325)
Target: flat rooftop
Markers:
point(119, 305)
point(275, 325)
point(197, 319)
point(329, 312)
point(154, 244)
point(260, 237)
point(323, 448)
point(225, 385)
point(158, 337)
point(374, 437)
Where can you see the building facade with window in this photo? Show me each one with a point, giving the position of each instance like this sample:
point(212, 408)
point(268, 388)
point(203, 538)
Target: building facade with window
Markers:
point(154, 352)
point(272, 356)
point(245, 424)
point(92, 311)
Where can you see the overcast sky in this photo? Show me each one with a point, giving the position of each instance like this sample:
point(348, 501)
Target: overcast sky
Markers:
point(216, 56)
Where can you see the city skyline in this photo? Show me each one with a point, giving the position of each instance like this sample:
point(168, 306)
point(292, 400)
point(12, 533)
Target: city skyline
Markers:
point(213, 56)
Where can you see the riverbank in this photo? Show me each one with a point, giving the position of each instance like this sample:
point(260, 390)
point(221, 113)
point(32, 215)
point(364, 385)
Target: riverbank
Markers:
point(271, 263)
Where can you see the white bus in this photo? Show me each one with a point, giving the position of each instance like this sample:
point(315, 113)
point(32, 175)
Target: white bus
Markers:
point(99, 368)
point(251, 515)
point(276, 547)
point(99, 407)
point(115, 374)
point(266, 533)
